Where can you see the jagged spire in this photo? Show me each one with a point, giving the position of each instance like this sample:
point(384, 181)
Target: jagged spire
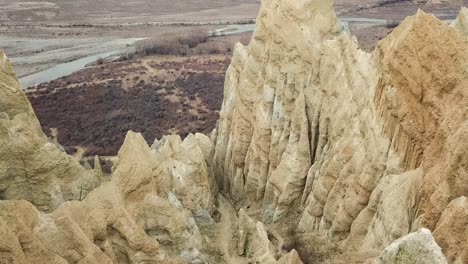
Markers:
point(98, 168)
point(461, 23)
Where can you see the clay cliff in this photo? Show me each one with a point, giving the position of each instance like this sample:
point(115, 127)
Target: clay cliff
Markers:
point(362, 148)
point(323, 153)
point(32, 167)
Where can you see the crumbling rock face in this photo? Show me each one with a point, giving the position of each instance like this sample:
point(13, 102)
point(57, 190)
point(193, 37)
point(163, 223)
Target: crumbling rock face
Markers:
point(255, 244)
point(32, 167)
point(418, 247)
point(320, 146)
point(461, 23)
point(366, 147)
point(135, 217)
point(451, 232)
point(142, 214)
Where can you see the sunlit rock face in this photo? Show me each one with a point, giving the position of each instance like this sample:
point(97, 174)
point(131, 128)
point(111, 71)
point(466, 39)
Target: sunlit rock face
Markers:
point(143, 214)
point(32, 167)
point(461, 23)
point(54, 211)
point(329, 154)
point(417, 247)
point(361, 148)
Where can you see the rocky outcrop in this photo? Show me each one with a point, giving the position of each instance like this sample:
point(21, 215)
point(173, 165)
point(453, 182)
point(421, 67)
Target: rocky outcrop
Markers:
point(255, 244)
point(451, 231)
point(461, 23)
point(360, 146)
point(136, 217)
point(329, 153)
point(32, 167)
point(418, 247)
point(142, 214)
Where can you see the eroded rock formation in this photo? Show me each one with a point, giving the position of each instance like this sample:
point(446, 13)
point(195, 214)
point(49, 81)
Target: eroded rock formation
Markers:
point(327, 153)
point(142, 214)
point(32, 167)
point(418, 247)
point(362, 148)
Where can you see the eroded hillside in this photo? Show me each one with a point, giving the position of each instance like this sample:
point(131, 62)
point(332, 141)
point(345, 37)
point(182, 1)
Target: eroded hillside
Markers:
point(323, 153)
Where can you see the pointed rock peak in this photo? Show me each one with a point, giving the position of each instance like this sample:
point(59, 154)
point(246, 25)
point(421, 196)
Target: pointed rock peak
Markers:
point(173, 140)
point(158, 144)
point(168, 144)
point(97, 167)
point(314, 18)
point(461, 23)
point(205, 144)
point(13, 101)
point(5, 65)
point(134, 142)
point(191, 147)
point(86, 165)
point(304, 10)
point(192, 141)
point(290, 258)
point(422, 39)
point(190, 137)
point(419, 27)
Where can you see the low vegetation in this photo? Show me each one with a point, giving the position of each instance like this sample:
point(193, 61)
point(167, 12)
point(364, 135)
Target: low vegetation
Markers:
point(172, 43)
point(93, 109)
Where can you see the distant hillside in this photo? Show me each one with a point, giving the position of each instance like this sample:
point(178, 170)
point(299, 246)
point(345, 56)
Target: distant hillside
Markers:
point(126, 11)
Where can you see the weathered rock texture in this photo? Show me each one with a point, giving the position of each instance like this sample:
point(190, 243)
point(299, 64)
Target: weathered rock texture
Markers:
point(365, 148)
point(137, 217)
point(32, 167)
point(331, 154)
point(143, 214)
point(461, 23)
point(418, 247)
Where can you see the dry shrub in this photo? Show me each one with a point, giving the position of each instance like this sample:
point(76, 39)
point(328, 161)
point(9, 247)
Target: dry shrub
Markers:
point(392, 24)
point(212, 47)
point(127, 55)
point(172, 43)
point(193, 38)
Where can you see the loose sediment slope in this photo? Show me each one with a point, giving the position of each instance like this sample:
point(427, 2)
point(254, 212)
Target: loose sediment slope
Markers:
point(331, 154)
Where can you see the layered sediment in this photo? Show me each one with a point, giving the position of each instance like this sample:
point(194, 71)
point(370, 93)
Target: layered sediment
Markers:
point(330, 155)
point(362, 148)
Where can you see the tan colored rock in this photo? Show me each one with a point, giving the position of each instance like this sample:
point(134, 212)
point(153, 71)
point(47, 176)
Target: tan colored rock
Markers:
point(419, 247)
point(451, 231)
point(97, 168)
point(16, 223)
point(392, 207)
point(461, 23)
point(254, 243)
point(365, 147)
point(189, 173)
point(318, 139)
point(31, 166)
point(126, 220)
point(290, 258)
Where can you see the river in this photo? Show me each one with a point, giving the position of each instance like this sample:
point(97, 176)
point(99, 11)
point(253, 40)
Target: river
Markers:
point(106, 49)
